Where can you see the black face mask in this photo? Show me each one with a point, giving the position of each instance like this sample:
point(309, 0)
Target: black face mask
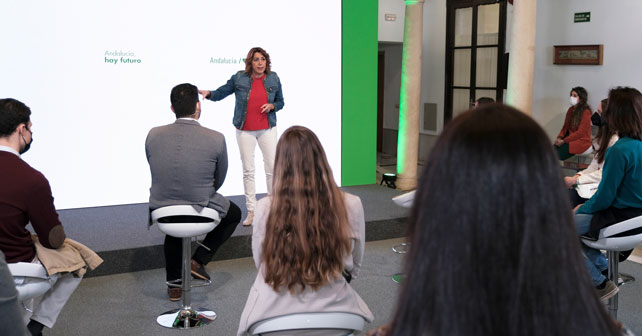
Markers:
point(27, 145)
point(597, 120)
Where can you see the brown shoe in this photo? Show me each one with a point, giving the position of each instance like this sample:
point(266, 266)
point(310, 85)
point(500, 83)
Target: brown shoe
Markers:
point(249, 219)
point(198, 270)
point(174, 293)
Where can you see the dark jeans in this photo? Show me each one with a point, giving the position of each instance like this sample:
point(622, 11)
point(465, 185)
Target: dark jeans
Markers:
point(576, 199)
point(213, 240)
point(562, 152)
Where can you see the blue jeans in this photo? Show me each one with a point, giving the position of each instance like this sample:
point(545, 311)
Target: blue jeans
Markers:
point(595, 260)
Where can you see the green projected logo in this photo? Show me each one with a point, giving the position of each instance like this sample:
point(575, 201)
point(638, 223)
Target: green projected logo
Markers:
point(121, 57)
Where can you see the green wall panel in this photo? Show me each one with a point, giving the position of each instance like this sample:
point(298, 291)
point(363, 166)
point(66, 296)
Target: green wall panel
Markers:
point(359, 47)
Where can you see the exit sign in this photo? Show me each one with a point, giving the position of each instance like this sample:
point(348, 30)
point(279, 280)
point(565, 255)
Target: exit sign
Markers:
point(582, 17)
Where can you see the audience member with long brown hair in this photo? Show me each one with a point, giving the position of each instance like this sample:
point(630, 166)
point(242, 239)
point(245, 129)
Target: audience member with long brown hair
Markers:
point(575, 135)
point(308, 238)
point(583, 185)
point(493, 255)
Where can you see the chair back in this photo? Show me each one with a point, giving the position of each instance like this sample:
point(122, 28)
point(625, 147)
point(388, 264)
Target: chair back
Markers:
point(622, 236)
point(38, 283)
point(184, 221)
point(306, 321)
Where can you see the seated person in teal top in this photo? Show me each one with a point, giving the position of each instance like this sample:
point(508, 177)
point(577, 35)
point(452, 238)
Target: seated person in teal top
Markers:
point(619, 194)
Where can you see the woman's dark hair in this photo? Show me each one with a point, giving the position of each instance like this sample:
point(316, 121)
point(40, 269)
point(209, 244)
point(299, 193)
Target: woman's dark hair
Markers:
point(625, 112)
point(307, 230)
point(494, 249)
point(582, 105)
point(250, 56)
point(604, 134)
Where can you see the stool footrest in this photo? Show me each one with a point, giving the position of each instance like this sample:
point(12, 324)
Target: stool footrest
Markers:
point(178, 284)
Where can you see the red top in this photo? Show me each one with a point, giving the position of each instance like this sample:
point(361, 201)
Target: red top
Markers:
point(25, 196)
point(254, 119)
point(579, 140)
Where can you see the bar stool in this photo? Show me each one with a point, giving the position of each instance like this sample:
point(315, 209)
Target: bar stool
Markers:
point(37, 285)
point(183, 221)
point(622, 236)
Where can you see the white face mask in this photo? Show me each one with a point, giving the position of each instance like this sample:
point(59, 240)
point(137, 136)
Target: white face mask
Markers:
point(573, 100)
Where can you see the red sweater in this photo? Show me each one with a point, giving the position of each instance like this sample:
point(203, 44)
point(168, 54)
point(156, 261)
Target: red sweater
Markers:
point(254, 119)
point(25, 196)
point(578, 140)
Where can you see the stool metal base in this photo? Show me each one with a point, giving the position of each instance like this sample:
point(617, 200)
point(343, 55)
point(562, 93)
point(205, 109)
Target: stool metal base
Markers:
point(186, 318)
point(624, 279)
point(399, 278)
point(401, 248)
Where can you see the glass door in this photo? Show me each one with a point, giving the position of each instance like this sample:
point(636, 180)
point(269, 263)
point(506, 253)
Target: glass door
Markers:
point(475, 36)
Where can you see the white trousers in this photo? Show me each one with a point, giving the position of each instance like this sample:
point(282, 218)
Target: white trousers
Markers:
point(50, 305)
point(247, 141)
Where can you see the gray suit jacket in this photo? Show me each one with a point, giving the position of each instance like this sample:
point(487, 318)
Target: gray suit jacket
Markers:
point(188, 163)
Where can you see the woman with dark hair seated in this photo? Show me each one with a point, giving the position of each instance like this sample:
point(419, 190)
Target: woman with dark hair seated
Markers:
point(307, 241)
point(619, 195)
point(584, 184)
point(493, 255)
point(575, 135)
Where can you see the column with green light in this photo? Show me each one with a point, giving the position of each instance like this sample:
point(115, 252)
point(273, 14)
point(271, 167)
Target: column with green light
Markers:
point(408, 137)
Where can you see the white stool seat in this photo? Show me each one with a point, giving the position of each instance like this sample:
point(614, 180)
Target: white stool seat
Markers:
point(208, 219)
point(39, 280)
point(305, 321)
point(622, 236)
point(405, 200)
point(589, 151)
point(614, 237)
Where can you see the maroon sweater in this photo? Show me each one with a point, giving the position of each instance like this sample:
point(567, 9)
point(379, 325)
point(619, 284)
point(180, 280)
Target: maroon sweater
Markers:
point(25, 196)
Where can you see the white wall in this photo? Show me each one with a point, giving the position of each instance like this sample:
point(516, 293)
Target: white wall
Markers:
point(613, 24)
point(391, 31)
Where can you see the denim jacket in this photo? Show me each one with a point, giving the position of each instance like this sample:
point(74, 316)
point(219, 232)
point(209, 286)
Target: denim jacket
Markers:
point(241, 84)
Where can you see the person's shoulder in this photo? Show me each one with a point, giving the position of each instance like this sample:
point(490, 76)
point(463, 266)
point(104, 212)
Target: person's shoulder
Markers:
point(352, 201)
point(160, 129)
point(31, 176)
point(216, 135)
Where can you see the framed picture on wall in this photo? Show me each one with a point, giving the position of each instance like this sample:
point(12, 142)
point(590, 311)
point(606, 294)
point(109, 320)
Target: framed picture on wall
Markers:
point(590, 54)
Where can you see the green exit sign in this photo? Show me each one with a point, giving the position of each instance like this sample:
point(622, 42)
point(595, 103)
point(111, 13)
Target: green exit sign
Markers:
point(582, 17)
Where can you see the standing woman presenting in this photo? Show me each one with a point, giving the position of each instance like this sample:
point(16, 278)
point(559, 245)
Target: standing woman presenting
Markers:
point(258, 97)
point(575, 136)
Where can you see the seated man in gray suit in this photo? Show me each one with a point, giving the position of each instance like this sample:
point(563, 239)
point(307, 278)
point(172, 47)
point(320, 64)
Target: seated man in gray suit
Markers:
point(188, 163)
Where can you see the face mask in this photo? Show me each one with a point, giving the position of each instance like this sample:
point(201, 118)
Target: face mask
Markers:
point(27, 145)
point(573, 100)
point(596, 119)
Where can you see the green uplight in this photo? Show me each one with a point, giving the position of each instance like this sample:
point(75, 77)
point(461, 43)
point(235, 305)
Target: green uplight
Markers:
point(402, 140)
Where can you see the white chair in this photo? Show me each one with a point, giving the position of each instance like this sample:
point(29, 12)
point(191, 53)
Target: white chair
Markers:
point(352, 323)
point(37, 285)
point(183, 221)
point(622, 236)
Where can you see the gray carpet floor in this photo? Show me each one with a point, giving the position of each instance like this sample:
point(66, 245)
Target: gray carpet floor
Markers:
point(127, 304)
